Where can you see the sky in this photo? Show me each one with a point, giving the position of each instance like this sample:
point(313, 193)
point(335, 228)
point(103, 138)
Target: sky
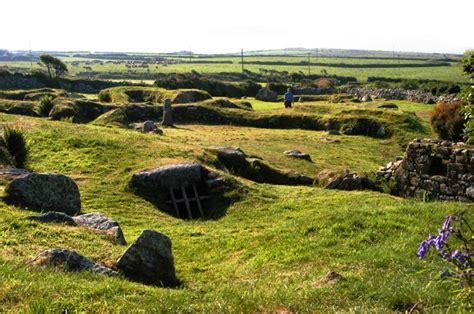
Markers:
point(225, 26)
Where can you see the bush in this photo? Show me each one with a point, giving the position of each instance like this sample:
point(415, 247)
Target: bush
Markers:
point(16, 146)
point(45, 105)
point(448, 121)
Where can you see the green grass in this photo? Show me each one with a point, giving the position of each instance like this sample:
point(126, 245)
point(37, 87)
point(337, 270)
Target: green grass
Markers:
point(266, 254)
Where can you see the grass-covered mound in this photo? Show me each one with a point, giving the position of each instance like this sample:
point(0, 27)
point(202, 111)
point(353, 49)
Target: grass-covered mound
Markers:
point(267, 253)
point(373, 122)
point(77, 110)
point(32, 94)
point(129, 94)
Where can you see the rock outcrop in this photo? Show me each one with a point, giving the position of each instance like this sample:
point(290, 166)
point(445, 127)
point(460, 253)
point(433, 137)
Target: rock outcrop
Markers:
point(433, 169)
point(149, 260)
point(44, 192)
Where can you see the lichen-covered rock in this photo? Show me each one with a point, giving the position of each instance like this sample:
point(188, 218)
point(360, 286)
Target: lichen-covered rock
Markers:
point(266, 94)
point(70, 261)
point(101, 224)
point(54, 217)
point(149, 260)
point(44, 192)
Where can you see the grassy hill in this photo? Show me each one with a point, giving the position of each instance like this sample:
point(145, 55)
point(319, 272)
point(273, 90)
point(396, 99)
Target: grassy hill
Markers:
point(270, 249)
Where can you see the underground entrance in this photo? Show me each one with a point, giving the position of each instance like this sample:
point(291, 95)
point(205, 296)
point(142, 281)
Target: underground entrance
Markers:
point(185, 191)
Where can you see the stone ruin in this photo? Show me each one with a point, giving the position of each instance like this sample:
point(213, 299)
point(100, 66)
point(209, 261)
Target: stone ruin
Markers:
point(186, 191)
point(432, 169)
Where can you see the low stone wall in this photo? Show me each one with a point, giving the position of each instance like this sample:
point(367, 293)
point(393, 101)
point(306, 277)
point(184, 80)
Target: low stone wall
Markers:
point(433, 169)
point(402, 94)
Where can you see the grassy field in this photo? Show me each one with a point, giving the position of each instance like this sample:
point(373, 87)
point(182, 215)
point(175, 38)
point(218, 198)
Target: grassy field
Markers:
point(445, 73)
point(266, 254)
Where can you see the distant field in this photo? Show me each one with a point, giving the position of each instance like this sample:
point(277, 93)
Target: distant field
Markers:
point(87, 67)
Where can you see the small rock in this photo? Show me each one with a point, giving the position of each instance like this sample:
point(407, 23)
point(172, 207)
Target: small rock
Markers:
point(149, 126)
point(53, 217)
point(70, 261)
point(329, 140)
point(297, 154)
point(149, 260)
point(366, 98)
point(102, 224)
point(470, 192)
point(330, 278)
point(350, 181)
point(334, 132)
point(384, 142)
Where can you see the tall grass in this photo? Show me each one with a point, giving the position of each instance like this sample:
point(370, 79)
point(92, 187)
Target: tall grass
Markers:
point(16, 145)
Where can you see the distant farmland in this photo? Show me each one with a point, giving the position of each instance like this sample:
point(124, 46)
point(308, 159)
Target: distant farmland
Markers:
point(144, 66)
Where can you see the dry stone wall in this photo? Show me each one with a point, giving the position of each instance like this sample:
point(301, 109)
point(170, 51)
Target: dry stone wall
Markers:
point(433, 169)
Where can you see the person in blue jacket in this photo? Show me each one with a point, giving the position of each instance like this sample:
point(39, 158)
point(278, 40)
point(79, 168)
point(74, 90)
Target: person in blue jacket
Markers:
point(288, 98)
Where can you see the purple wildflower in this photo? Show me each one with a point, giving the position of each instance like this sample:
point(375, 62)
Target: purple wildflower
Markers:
point(425, 245)
point(459, 256)
point(441, 239)
point(447, 222)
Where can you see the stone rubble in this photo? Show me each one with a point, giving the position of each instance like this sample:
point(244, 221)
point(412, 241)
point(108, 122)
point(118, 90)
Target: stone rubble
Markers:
point(400, 94)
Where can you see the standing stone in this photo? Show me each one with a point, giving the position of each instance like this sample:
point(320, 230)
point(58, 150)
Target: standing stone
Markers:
point(167, 113)
point(44, 192)
point(149, 260)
